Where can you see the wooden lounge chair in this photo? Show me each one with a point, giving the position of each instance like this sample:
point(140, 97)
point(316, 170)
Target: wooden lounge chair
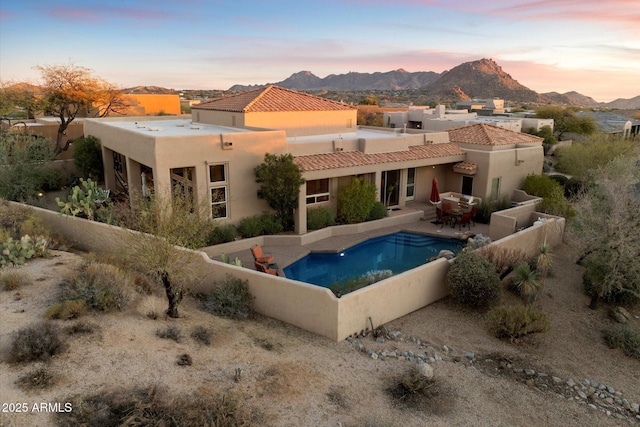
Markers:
point(267, 268)
point(259, 256)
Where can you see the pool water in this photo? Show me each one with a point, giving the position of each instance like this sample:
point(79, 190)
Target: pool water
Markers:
point(397, 252)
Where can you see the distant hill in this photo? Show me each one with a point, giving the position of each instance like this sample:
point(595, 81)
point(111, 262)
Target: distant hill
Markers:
point(391, 80)
point(152, 90)
point(476, 79)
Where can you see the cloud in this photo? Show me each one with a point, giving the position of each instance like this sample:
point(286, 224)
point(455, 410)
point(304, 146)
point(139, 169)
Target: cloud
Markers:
point(103, 13)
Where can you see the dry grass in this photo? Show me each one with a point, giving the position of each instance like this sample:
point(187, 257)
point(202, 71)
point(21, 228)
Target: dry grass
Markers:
point(503, 259)
point(12, 280)
point(39, 379)
point(417, 392)
point(152, 307)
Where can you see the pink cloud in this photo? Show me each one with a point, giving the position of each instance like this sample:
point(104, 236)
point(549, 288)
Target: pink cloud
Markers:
point(104, 13)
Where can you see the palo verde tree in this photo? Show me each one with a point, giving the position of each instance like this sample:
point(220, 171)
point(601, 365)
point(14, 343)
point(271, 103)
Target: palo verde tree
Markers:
point(163, 229)
point(605, 232)
point(565, 120)
point(69, 90)
point(280, 180)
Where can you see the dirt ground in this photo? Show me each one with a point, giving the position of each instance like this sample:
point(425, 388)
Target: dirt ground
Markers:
point(294, 378)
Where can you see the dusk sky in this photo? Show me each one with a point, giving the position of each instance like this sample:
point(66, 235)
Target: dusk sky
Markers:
point(590, 46)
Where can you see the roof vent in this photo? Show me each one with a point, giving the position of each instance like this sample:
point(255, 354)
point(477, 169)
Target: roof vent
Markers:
point(196, 127)
point(155, 129)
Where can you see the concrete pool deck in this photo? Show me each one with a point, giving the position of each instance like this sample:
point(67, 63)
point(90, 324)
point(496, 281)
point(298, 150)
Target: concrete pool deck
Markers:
point(285, 255)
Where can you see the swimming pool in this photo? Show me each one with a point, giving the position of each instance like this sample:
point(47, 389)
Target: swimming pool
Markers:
point(397, 252)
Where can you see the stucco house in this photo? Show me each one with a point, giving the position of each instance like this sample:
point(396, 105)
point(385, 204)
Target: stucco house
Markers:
point(213, 154)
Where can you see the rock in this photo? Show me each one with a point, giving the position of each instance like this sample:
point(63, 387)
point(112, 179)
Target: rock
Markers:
point(392, 354)
point(542, 375)
point(592, 406)
point(582, 395)
point(610, 389)
point(471, 355)
point(380, 340)
point(530, 372)
point(518, 370)
point(571, 383)
point(372, 354)
point(556, 380)
point(620, 315)
point(635, 407)
point(395, 334)
point(425, 370)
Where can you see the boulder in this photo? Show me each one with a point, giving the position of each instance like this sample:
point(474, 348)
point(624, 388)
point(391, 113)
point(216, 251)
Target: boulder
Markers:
point(620, 315)
point(425, 370)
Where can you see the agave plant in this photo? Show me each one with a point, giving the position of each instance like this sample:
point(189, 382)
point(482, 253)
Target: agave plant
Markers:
point(525, 282)
point(544, 259)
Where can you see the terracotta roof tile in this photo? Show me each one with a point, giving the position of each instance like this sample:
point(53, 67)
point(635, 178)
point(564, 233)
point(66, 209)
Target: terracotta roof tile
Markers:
point(343, 159)
point(485, 134)
point(272, 99)
point(465, 166)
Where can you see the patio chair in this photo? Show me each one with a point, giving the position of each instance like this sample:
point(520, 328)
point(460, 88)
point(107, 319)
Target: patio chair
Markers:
point(442, 217)
point(259, 256)
point(267, 268)
point(465, 219)
point(474, 212)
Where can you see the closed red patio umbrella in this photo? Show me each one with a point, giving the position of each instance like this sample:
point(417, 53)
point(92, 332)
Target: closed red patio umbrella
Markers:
point(435, 192)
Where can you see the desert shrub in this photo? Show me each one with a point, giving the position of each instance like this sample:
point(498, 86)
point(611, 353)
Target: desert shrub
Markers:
point(349, 285)
point(356, 200)
point(103, 287)
point(152, 307)
point(503, 259)
point(171, 332)
point(552, 194)
point(184, 360)
point(544, 259)
point(625, 337)
point(69, 309)
point(594, 283)
point(39, 341)
point(516, 321)
point(487, 207)
point(321, 217)
point(12, 280)
point(259, 225)
point(39, 379)
point(82, 328)
point(337, 397)
point(525, 282)
point(223, 233)
point(155, 406)
point(12, 217)
point(201, 334)
point(473, 281)
point(378, 211)
point(425, 393)
point(87, 157)
point(143, 284)
point(229, 298)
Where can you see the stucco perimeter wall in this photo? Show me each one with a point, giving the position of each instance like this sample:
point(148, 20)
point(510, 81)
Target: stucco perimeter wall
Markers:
point(392, 298)
point(530, 239)
point(506, 222)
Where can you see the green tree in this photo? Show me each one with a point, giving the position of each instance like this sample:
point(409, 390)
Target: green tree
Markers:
point(565, 120)
point(87, 156)
point(552, 193)
point(605, 231)
point(26, 166)
point(545, 132)
point(581, 158)
point(280, 180)
point(370, 100)
point(356, 200)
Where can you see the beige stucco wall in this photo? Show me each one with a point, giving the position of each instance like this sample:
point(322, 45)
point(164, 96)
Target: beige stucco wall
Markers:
point(511, 165)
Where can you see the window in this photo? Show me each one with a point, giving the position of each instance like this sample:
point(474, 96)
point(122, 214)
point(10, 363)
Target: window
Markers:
point(317, 191)
point(218, 186)
point(495, 188)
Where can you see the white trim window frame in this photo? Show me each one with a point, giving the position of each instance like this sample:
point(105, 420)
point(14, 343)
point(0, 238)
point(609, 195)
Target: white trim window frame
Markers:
point(321, 196)
point(218, 189)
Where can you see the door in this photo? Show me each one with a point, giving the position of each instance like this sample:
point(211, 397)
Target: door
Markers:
point(467, 185)
point(411, 184)
point(390, 188)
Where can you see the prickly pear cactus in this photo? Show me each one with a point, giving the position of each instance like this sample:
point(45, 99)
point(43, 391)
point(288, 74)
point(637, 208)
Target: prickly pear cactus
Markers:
point(83, 201)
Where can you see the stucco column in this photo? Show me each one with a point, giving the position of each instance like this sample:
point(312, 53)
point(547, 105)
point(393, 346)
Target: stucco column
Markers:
point(134, 178)
point(300, 214)
point(377, 180)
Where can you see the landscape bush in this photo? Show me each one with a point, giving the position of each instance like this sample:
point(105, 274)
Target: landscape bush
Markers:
point(202, 334)
point(473, 281)
point(625, 337)
point(356, 200)
point(222, 233)
point(417, 391)
point(378, 211)
point(515, 321)
point(87, 157)
point(487, 207)
point(39, 379)
point(103, 287)
point(152, 307)
point(229, 298)
point(343, 287)
point(12, 280)
point(552, 193)
point(321, 217)
point(594, 278)
point(39, 341)
point(525, 282)
point(171, 332)
point(156, 406)
point(69, 309)
point(503, 259)
point(259, 225)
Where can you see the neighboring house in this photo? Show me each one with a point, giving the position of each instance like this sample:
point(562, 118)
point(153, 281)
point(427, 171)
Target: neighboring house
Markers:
point(613, 124)
point(142, 104)
point(441, 119)
point(213, 155)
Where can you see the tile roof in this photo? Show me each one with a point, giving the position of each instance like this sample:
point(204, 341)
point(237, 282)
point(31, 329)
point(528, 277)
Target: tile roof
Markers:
point(485, 134)
point(465, 166)
point(272, 99)
point(344, 159)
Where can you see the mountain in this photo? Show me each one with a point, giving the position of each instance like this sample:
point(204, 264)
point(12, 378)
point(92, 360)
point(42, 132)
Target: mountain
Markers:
point(482, 79)
point(623, 104)
point(571, 98)
point(391, 80)
point(155, 90)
